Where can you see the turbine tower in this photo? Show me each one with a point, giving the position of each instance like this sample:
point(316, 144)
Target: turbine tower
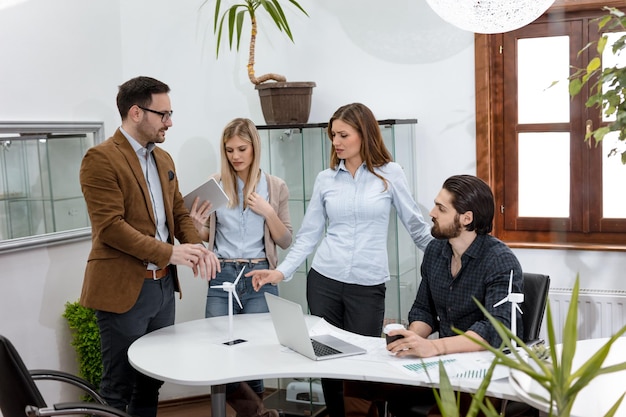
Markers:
point(231, 289)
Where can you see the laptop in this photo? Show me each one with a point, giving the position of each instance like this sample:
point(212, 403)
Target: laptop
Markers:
point(293, 333)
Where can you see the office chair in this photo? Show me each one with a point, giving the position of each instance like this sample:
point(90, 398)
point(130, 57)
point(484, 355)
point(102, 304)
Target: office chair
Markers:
point(536, 287)
point(20, 397)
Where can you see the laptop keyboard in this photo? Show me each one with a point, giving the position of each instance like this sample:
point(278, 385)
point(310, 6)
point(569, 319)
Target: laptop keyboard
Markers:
point(321, 349)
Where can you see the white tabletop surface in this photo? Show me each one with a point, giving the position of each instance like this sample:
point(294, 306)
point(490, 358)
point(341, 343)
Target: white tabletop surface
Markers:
point(193, 353)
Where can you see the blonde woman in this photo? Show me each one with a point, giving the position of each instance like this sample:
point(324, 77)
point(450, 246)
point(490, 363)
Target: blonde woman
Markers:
point(247, 230)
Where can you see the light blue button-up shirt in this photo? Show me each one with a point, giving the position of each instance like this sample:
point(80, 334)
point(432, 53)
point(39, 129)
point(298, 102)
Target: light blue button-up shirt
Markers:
point(240, 233)
point(354, 250)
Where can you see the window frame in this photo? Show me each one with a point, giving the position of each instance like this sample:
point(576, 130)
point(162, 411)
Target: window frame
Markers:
point(490, 151)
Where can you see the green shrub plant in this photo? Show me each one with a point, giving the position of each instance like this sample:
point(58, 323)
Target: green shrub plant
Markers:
point(85, 340)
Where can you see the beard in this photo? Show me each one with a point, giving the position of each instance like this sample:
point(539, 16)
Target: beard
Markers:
point(449, 232)
point(149, 133)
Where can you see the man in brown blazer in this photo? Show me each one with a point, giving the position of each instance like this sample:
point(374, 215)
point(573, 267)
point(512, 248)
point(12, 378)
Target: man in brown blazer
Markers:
point(136, 212)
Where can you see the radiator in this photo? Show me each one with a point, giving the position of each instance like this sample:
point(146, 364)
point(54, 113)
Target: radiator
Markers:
point(601, 313)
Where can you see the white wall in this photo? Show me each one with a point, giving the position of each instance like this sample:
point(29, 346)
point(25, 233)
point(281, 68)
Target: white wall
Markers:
point(59, 61)
point(63, 60)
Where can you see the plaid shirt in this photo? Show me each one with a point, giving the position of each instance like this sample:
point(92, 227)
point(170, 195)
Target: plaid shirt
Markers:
point(444, 302)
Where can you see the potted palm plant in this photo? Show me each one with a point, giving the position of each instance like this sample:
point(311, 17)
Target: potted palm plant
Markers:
point(282, 102)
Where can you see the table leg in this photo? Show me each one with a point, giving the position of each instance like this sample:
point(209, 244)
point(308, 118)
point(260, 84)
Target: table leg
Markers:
point(218, 400)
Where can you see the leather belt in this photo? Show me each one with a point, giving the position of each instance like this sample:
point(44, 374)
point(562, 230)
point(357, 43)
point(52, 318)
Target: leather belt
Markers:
point(244, 261)
point(157, 273)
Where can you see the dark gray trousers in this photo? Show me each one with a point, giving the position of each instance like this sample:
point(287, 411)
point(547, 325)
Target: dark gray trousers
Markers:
point(122, 386)
point(357, 308)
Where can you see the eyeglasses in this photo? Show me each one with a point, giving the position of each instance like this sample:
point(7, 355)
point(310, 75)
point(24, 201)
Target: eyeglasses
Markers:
point(165, 115)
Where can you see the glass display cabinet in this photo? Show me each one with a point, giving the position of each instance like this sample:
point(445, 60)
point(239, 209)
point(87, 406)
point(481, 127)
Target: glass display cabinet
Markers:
point(297, 153)
point(40, 196)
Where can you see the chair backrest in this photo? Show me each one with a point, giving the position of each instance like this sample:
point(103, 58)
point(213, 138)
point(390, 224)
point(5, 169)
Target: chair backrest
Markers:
point(17, 388)
point(536, 288)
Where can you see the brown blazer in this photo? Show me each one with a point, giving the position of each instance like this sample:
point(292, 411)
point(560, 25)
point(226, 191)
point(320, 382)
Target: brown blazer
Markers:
point(123, 224)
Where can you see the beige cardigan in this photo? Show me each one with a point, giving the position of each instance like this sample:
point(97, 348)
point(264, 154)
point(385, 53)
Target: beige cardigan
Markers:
point(279, 200)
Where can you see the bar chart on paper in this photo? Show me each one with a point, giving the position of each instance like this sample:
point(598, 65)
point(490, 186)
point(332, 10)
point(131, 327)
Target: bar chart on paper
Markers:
point(425, 366)
point(472, 374)
point(464, 366)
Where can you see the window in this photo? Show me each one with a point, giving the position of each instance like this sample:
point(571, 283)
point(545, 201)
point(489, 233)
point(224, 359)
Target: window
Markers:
point(552, 188)
point(40, 198)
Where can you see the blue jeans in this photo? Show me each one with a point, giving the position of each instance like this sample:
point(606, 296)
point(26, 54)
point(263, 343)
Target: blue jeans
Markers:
point(251, 300)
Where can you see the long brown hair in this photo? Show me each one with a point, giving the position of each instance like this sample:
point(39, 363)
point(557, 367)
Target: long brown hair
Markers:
point(373, 150)
point(246, 130)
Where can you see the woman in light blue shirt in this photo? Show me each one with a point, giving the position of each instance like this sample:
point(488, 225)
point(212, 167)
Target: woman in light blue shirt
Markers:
point(352, 200)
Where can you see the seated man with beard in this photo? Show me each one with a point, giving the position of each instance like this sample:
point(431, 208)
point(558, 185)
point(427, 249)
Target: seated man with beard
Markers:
point(463, 262)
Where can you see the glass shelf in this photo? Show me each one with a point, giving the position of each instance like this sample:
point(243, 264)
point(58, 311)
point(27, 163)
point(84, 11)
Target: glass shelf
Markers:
point(297, 153)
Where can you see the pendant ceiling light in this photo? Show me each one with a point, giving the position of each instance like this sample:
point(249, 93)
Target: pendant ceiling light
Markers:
point(489, 16)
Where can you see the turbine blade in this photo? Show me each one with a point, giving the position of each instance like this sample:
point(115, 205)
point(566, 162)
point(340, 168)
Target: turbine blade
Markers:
point(237, 298)
point(518, 308)
point(216, 286)
point(239, 276)
point(501, 302)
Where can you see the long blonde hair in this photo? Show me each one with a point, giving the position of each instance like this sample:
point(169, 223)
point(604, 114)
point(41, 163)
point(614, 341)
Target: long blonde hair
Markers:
point(246, 130)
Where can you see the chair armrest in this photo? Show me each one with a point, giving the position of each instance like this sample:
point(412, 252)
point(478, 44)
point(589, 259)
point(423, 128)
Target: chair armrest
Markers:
point(76, 408)
point(60, 376)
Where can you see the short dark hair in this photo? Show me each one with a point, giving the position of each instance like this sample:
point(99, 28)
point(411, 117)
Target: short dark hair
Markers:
point(470, 193)
point(138, 91)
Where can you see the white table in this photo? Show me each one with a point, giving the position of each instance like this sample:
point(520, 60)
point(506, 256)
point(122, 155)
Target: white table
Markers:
point(600, 394)
point(193, 353)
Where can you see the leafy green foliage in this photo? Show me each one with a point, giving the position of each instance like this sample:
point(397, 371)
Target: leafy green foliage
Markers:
point(235, 15)
point(608, 92)
point(86, 340)
point(557, 377)
point(449, 404)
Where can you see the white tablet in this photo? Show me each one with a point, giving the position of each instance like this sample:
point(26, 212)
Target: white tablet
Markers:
point(209, 191)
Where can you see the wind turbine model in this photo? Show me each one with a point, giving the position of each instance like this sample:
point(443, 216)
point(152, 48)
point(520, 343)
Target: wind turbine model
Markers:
point(231, 289)
point(514, 298)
